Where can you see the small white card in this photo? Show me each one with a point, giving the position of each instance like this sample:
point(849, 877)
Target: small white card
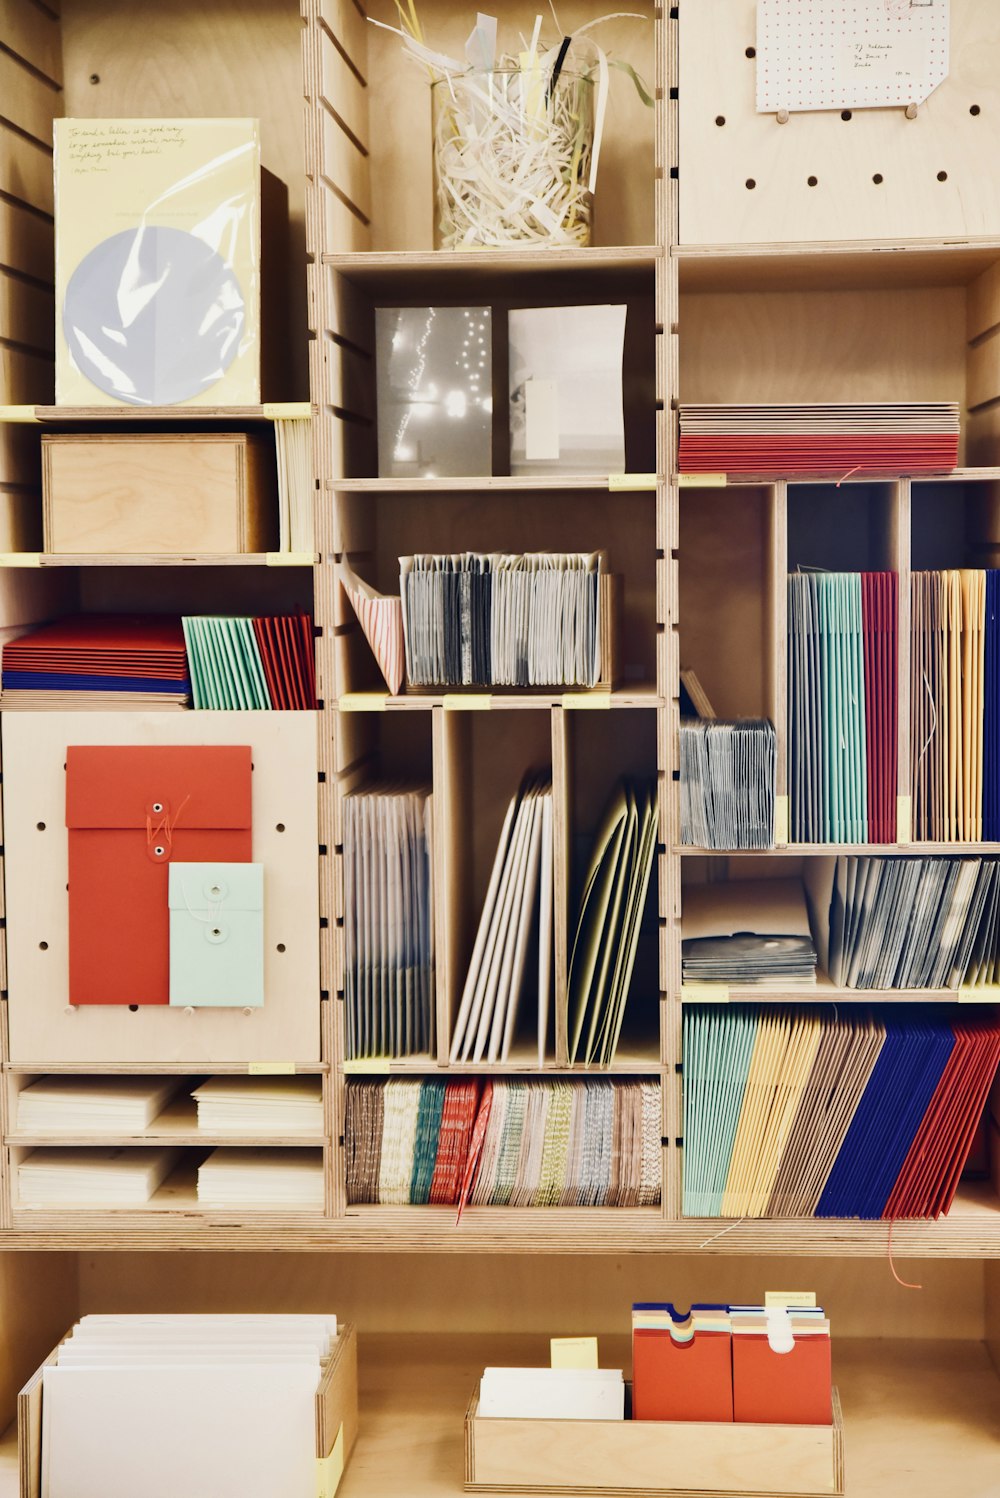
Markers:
point(850, 54)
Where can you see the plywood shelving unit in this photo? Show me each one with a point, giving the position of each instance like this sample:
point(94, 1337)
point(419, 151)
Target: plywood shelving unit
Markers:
point(733, 292)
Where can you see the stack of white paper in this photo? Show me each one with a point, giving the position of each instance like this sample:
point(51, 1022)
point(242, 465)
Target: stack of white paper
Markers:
point(262, 1178)
point(296, 487)
point(205, 1405)
point(520, 884)
point(103, 1177)
point(566, 407)
point(552, 1394)
point(91, 1105)
point(260, 1105)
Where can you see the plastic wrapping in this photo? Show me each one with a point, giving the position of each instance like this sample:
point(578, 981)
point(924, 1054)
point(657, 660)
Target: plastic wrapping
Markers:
point(157, 262)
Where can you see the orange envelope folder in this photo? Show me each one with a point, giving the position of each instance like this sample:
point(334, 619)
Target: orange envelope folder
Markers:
point(681, 1380)
point(129, 812)
point(782, 1388)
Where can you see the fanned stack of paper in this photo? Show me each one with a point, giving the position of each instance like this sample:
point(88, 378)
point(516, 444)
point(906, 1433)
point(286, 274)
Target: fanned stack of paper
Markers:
point(801, 1113)
point(262, 1178)
point(98, 661)
point(509, 620)
point(389, 921)
point(381, 620)
point(164, 1405)
point(517, 915)
point(842, 706)
point(91, 1105)
point(955, 706)
point(834, 440)
point(609, 921)
point(260, 1105)
point(540, 1144)
point(727, 784)
point(296, 485)
point(748, 932)
point(93, 1177)
point(551, 1394)
point(251, 664)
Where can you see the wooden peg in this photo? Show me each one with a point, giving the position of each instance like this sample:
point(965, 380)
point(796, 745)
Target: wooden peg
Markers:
point(911, 111)
point(782, 116)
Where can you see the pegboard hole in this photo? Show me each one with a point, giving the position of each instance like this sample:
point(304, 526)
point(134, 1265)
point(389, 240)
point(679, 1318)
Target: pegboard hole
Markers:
point(751, 184)
point(43, 946)
point(846, 114)
point(751, 51)
point(942, 176)
point(133, 1009)
point(281, 946)
point(40, 826)
point(878, 179)
point(813, 181)
point(279, 827)
point(974, 109)
point(720, 119)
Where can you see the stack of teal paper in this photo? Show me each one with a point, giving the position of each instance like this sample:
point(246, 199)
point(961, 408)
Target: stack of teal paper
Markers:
point(607, 933)
point(226, 668)
point(716, 1062)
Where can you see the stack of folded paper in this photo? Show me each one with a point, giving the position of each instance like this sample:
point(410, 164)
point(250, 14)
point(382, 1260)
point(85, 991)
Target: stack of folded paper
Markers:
point(98, 661)
point(268, 1106)
point(829, 439)
point(92, 1105)
point(262, 1178)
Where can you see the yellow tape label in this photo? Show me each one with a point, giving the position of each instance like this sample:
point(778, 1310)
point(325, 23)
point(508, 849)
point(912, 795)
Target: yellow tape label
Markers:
point(290, 558)
point(459, 702)
point(984, 995)
point(586, 701)
point(704, 993)
point(702, 480)
point(330, 1469)
point(620, 483)
point(286, 410)
point(17, 413)
point(374, 1065)
point(20, 559)
point(271, 1069)
point(904, 819)
point(780, 820)
point(573, 1352)
point(362, 702)
point(789, 1298)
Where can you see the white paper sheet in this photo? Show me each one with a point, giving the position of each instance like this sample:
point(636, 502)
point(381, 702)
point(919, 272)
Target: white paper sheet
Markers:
point(849, 54)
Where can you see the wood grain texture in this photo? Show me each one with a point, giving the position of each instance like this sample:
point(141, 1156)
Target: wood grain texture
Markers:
point(32, 35)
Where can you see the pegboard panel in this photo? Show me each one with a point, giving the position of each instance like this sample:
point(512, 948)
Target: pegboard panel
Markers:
point(44, 1029)
point(877, 175)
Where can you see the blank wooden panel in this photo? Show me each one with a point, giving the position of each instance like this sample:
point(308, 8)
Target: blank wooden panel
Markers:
point(25, 170)
point(26, 379)
point(984, 370)
point(345, 21)
point(28, 101)
point(26, 313)
point(344, 166)
point(824, 346)
point(26, 242)
point(718, 81)
point(44, 1030)
point(342, 91)
point(983, 302)
point(33, 35)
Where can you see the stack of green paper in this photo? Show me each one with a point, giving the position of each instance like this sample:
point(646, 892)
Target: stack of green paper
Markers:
point(225, 663)
point(718, 1046)
point(607, 933)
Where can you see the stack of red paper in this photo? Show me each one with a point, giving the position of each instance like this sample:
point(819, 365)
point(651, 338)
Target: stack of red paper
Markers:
point(97, 660)
point(286, 652)
point(831, 441)
point(461, 1102)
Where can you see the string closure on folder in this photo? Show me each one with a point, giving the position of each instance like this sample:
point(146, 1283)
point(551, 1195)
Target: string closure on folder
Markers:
point(160, 837)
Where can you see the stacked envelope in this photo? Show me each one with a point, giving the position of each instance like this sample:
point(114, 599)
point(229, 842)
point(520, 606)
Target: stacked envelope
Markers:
point(408, 1142)
point(727, 784)
point(823, 439)
point(609, 922)
point(98, 661)
point(94, 1177)
point(955, 705)
point(802, 1113)
point(842, 706)
point(516, 918)
point(261, 1106)
point(251, 663)
point(388, 921)
point(90, 1105)
point(262, 1178)
point(742, 933)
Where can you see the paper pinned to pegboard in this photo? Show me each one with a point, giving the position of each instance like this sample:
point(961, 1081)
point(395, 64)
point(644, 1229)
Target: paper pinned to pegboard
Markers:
point(850, 54)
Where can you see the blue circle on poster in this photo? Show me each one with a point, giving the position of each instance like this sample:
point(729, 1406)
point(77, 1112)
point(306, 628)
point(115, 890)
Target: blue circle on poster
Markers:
point(153, 316)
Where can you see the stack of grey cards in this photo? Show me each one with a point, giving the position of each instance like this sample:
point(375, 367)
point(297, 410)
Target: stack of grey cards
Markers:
point(744, 933)
point(727, 784)
point(503, 620)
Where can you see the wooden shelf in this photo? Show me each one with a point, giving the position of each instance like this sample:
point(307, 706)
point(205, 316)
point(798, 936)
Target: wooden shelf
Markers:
point(501, 700)
point(821, 265)
point(155, 415)
point(176, 1125)
point(415, 272)
point(495, 484)
point(151, 559)
point(827, 850)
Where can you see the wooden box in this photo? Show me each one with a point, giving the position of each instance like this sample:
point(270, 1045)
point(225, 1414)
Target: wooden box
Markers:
point(336, 1419)
point(653, 1457)
point(162, 493)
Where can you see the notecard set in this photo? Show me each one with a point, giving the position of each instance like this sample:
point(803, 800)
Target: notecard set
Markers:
point(811, 1113)
point(512, 954)
point(94, 1176)
point(242, 1177)
point(388, 921)
point(260, 1106)
point(727, 784)
point(842, 707)
point(602, 959)
point(744, 933)
point(758, 1365)
point(90, 1105)
point(508, 1143)
point(236, 1406)
point(537, 619)
point(955, 705)
point(832, 440)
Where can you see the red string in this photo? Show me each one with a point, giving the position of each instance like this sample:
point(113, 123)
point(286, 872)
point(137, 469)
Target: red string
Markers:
point(905, 1283)
point(848, 475)
point(165, 827)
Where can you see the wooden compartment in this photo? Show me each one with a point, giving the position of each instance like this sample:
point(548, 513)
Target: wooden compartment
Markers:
point(336, 1418)
point(653, 1457)
point(167, 492)
point(849, 527)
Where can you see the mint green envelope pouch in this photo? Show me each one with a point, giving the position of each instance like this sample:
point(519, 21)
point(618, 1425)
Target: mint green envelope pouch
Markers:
point(217, 934)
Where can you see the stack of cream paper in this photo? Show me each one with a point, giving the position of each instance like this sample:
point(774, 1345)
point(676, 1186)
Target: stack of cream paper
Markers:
point(552, 1394)
point(520, 885)
point(262, 1178)
point(296, 487)
point(102, 1177)
point(260, 1105)
point(92, 1105)
point(215, 1406)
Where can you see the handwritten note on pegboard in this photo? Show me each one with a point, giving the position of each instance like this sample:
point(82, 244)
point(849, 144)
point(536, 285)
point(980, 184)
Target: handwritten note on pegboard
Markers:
point(849, 54)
